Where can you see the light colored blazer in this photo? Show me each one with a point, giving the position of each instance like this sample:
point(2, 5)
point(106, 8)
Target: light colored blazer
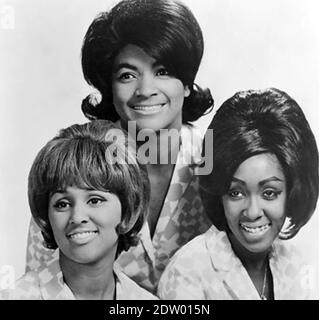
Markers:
point(207, 268)
point(47, 283)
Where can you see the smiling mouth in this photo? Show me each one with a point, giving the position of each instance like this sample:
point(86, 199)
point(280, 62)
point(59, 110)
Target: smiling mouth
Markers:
point(148, 108)
point(255, 230)
point(81, 235)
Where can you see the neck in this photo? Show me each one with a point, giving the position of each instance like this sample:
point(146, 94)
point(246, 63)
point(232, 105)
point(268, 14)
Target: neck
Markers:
point(157, 149)
point(256, 267)
point(252, 261)
point(89, 281)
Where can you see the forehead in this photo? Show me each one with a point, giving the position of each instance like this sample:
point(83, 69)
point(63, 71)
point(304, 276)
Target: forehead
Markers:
point(260, 167)
point(134, 55)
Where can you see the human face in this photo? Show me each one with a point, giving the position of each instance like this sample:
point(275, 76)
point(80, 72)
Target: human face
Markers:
point(83, 223)
point(144, 91)
point(255, 203)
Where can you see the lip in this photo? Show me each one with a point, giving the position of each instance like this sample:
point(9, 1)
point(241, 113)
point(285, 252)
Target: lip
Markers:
point(148, 109)
point(81, 236)
point(255, 230)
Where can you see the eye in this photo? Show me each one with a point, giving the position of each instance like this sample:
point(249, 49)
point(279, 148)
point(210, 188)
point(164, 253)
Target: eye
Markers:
point(95, 201)
point(61, 205)
point(271, 194)
point(126, 76)
point(162, 71)
point(235, 194)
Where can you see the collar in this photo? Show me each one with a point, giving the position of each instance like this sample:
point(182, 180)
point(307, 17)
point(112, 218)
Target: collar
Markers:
point(191, 144)
point(222, 254)
point(146, 242)
point(229, 268)
point(220, 251)
point(127, 289)
point(52, 285)
point(233, 274)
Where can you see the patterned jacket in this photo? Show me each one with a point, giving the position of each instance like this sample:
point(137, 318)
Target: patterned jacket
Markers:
point(47, 283)
point(208, 269)
point(181, 219)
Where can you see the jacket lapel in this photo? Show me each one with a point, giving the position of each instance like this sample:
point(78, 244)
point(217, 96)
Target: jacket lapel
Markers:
point(51, 282)
point(229, 268)
point(183, 173)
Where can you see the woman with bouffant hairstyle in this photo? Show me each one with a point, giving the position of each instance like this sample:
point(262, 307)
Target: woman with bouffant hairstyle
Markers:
point(262, 190)
point(254, 122)
point(89, 196)
point(142, 57)
point(165, 30)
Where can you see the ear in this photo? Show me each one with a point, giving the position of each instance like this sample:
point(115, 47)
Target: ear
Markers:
point(187, 92)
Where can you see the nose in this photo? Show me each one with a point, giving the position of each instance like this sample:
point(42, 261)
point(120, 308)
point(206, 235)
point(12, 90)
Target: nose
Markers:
point(78, 215)
point(253, 210)
point(146, 86)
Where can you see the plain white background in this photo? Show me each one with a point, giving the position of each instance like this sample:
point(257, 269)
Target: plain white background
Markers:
point(249, 44)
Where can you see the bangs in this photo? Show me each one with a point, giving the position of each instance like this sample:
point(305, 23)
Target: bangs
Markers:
point(164, 32)
point(159, 44)
point(82, 163)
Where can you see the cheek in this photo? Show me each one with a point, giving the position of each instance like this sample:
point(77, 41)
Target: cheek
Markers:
point(178, 94)
point(174, 89)
point(121, 94)
point(117, 97)
point(113, 217)
point(231, 210)
point(112, 222)
point(277, 212)
point(52, 220)
point(58, 223)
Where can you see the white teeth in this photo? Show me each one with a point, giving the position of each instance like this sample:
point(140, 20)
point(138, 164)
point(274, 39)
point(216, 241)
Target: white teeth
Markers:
point(255, 229)
point(148, 108)
point(81, 235)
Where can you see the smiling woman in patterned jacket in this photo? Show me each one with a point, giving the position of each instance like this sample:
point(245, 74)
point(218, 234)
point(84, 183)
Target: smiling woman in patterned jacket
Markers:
point(265, 172)
point(143, 56)
point(89, 205)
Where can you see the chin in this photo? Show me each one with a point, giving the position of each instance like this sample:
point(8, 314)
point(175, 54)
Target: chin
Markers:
point(149, 124)
point(83, 259)
point(258, 248)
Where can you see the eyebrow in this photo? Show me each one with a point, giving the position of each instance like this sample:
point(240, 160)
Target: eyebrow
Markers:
point(260, 183)
point(83, 188)
point(128, 65)
point(58, 191)
point(124, 65)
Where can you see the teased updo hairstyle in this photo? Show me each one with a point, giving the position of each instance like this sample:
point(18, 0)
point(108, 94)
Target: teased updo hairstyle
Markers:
point(165, 29)
point(263, 121)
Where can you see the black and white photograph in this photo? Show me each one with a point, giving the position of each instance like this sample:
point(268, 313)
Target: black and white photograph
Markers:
point(159, 150)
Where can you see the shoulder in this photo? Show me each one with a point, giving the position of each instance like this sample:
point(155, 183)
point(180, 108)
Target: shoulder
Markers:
point(201, 247)
point(292, 270)
point(195, 266)
point(196, 255)
point(127, 289)
point(25, 288)
point(190, 251)
point(183, 277)
point(287, 252)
